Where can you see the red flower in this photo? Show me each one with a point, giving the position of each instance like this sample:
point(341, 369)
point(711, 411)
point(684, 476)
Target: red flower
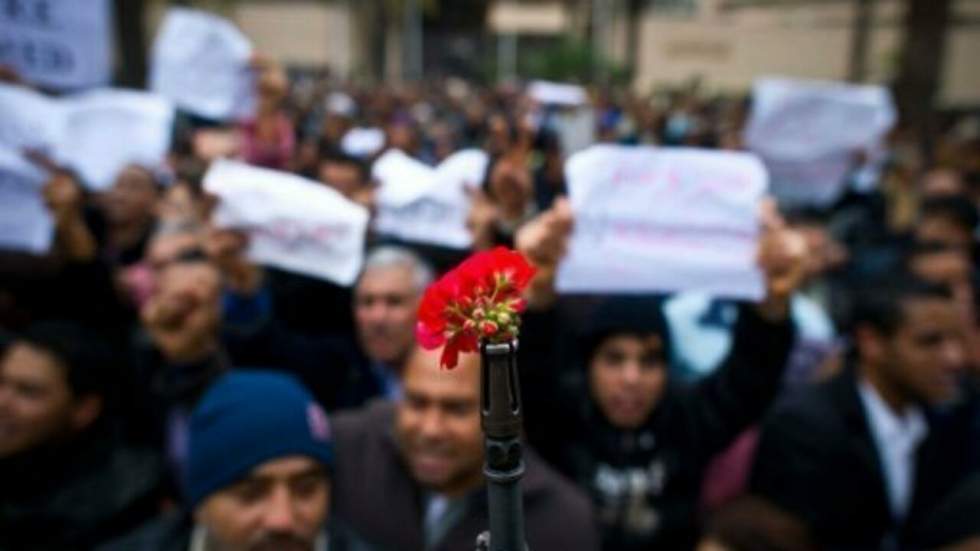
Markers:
point(479, 300)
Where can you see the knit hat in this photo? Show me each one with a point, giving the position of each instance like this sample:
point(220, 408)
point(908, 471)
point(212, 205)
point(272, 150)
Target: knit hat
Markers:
point(245, 419)
point(638, 314)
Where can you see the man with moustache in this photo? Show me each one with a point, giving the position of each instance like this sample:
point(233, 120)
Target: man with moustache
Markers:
point(410, 473)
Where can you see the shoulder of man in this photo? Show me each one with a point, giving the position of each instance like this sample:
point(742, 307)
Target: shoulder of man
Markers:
point(169, 532)
point(826, 404)
point(344, 538)
point(372, 420)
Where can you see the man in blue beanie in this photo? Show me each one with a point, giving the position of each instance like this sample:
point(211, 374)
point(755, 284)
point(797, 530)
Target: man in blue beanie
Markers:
point(258, 472)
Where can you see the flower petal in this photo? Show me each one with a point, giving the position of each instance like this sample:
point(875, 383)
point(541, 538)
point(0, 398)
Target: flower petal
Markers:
point(450, 356)
point(427, 337)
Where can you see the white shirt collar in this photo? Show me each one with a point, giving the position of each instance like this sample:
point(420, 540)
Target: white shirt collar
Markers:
point(888, 424)
point(897, 439)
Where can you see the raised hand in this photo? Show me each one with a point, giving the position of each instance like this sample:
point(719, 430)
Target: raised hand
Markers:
point(782, 258)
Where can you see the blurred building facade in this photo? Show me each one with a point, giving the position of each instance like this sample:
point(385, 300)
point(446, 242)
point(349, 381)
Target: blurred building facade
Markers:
point(724, 44)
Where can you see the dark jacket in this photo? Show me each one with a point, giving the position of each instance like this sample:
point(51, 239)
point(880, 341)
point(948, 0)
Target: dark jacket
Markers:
point(77, 496)
point(374, 493)
point(173, 531)
point(646, 482)
point(331, 366)
point(817, 460)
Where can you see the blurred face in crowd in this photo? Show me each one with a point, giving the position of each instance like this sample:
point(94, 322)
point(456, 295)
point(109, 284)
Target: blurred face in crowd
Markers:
point(498, 135)
point(949, 267)
point(402, 136)
point(132, 198)
point(335, 126)
point(190, 293)
point(138, 281)
point(438, 423)
point(924, 358)
point(943, 229)
point(942, 182)
point(281, 505)
point(344, 177)
point(627, 377)
point(37, 405)
point(511, 186)
point(385, 302)
point(165, 248)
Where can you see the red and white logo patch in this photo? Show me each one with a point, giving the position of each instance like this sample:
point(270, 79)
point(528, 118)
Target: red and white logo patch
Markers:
point(319, 425)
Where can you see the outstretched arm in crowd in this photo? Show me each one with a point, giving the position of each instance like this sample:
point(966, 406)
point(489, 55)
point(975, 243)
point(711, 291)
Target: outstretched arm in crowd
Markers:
point(72, 281)
point(543, 240)
point(65, 200)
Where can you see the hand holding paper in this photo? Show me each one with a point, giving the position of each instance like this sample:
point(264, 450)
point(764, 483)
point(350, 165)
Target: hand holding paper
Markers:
point(544, 241)
point(782, 258)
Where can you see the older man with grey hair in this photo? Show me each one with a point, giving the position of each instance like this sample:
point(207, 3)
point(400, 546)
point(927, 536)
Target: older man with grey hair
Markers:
point(386, 299)
point(342, 370)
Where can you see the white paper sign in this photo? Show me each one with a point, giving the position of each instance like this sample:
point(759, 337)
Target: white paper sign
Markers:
point(556, 93)
point(576, 129)
point(466, 167)
point(293, 223)
point(105, 130)
point(805, 129)
point(61, 44)
point(25, 223)
point(817, 182)
point(362, 142)
point(201, 62)
point(663, 220)
point(28, 120)
point(403, 179)
point(420, 204)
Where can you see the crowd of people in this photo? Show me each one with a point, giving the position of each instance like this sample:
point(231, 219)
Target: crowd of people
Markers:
point(159, 390)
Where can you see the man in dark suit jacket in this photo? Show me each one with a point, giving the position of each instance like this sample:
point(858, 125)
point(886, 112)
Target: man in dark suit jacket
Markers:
point(864, 458)
point(409, 475)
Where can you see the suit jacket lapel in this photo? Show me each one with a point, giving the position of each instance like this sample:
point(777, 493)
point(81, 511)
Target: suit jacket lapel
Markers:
point(852, 410)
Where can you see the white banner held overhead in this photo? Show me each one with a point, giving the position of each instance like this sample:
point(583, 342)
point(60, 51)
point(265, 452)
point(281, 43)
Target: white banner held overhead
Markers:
point(96, 133)
point(105, 130)
point(29, 120)
point(557, 93)
point(293, 223)
point(402, 178)
point(808, 132)
point(25, 223)
point(60, 44)
point(202, 63)
point(663, 220)
point(362, 141)
point(424, 205)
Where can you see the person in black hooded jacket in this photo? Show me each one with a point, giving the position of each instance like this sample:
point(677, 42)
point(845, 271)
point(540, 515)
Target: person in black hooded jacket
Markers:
point(638, 443)
point(68, 480)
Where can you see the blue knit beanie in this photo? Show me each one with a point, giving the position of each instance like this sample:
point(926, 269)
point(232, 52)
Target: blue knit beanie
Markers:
point(245, 419)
